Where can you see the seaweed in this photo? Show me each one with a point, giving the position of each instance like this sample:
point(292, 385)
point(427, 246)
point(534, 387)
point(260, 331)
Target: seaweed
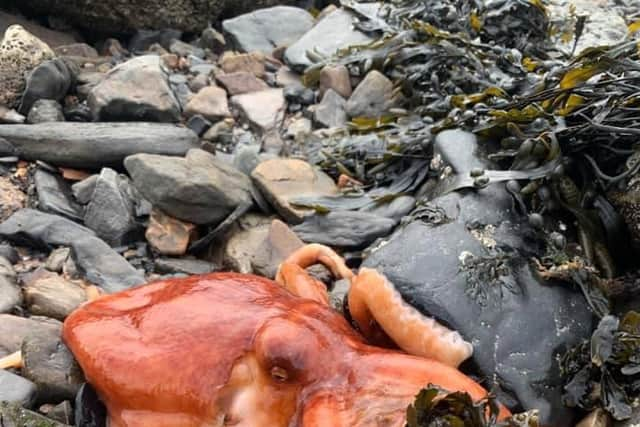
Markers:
point(605, 371)
point(433, 408)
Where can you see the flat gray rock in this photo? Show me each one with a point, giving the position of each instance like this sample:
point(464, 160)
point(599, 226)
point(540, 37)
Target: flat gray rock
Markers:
point(93, 145)
point(14, 329)
point(344, 229)
point(333, 32)
point(198, 188)
point(184, 266)
point(54, 196)
point(15, 389)
point(330, 112)
point(98, 262)
point(265, 29)
point(372, 97)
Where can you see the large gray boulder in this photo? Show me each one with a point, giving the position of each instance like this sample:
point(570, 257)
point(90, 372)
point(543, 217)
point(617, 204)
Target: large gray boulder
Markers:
point(129, 15)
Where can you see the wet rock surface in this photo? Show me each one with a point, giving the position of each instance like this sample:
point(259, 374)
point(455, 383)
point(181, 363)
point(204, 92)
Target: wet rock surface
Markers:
point(54, 196)
point(13, 415)
point(344, 229)
point(47, 294)
point(10, 294)
point(447, 279)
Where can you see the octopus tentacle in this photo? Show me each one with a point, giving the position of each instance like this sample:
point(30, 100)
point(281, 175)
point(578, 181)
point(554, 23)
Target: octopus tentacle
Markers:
point(14, 360)
point(374, 300)
point(297, 281)
point(292, 275)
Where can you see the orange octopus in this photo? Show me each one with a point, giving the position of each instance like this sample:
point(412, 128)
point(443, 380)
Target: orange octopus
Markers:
point(229, 349)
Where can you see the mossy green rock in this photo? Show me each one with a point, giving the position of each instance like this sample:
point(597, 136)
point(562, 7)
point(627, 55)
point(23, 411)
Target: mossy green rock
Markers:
point(12, 415)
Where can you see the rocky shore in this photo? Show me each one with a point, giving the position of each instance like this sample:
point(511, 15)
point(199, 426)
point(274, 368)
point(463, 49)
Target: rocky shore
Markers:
point(161, 146)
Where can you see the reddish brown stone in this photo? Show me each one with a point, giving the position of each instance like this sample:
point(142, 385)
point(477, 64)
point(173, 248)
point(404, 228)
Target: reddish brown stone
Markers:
point(241, 82)
point(167, 235)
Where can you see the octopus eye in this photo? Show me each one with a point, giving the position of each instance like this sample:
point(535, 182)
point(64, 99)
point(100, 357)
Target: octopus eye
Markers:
point(279, 374)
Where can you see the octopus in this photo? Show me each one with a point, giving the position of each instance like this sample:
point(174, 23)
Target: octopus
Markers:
point(230, 349)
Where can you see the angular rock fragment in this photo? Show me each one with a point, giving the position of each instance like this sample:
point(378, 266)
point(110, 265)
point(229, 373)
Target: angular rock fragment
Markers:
point(198, 188)
point(50, 295)
point(167, 235)
point(282, 179)
point(54, 196)
point(264, 110)
point(111, 210)
point(15, 389)
point(210, 102)
point(372, 97)
point(330, 112)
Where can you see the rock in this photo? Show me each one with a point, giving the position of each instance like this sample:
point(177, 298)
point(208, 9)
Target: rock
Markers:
point(459, 149)
point(280, 242)
point(114, 16)
point(54, 196)
point(15, 389)
point(144, 39)
point(344, 229)
point(330, 112)
point(330, 34)
point(93, 145)
point(56, 259)
point(183, 266)
point(76, 49)
point(14, 415)
point(135, 90)
point(631, 422)
point(11, 117)
point(285, 77)
point(185, 50)
point(297, 94)
point(263, 29)
point(10, 293)
point(84, 189)
point(213, 40)
point(469, 269)
point(11, 198)
point(210, 102)
point(372, 97)
point(299, 129)
point(62, 412)
point(243, 62)
point(167, 235)
point(280, 180)
point(20, 52)
point(50, 37)
point(49, 80)
point(221, 132)
point(9, 253)
point(198, 124)
point(241, 82)
point(99, 263)
point(597, 418)
point(252, 230)
point(335, 77)
point(264, 110)
point(50, 295)
point(396, 209)
point(198, 188)
point(44, 111)
point(51, 366)
point(111, 210)
point(14, 329)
